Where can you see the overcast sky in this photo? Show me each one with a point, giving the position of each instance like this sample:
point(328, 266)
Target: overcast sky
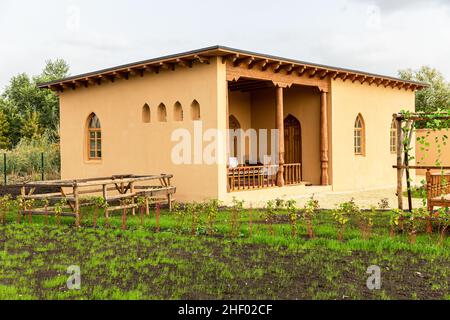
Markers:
point(379, 36)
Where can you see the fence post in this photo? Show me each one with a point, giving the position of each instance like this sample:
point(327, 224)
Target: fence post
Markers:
point(42, 167)
point(4, 169)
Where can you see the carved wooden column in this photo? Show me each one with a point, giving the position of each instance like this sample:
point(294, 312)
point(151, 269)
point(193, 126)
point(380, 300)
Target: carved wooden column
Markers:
point(280, 127)
point(324, 147)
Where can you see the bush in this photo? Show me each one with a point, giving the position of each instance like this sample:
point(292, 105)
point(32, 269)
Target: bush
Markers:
point(24, 161)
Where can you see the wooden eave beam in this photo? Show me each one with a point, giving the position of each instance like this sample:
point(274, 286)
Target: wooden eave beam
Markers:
point(260, 64)
point(245, 62)
point(83, 82)
point(202, 59)
point(378, 82)
point(183, 63)
point(274, 66)
point(331, 74)
point(300, 70)
point(345, 76)
point(312, 73)
point(353, 77)
point(286, 67)
point(230, 58)
point(359, 78)
point(323, 74)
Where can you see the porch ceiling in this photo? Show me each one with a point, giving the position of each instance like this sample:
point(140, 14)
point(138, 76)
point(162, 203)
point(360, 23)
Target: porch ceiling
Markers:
point(247, 85)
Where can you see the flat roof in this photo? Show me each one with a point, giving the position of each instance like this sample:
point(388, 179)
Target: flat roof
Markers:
point(203, 55)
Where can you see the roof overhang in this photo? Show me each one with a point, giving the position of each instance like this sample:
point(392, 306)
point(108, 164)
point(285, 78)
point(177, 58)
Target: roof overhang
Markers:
point(228, 55)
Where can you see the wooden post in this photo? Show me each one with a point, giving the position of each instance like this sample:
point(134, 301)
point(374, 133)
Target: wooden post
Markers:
point(410, 126)
point(147, 207)
point(77, 205)
point(228, 137)
point(324, 147)
point(399, 164)
point(158, 214)
point(105, 192)
point(132, 190)
point(280, 127)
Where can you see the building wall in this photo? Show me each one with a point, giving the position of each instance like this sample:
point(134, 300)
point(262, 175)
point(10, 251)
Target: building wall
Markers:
point(377, 105)
point(131, 146)
point(427, 156)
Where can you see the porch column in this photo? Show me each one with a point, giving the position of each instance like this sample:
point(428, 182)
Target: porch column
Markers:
point(280, 127)
point(324, 147)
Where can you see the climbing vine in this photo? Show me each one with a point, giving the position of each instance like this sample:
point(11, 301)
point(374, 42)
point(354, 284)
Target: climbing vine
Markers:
point(433, 122)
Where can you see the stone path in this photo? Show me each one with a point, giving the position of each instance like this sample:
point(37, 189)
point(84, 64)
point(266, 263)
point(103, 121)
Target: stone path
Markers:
point(364, 199)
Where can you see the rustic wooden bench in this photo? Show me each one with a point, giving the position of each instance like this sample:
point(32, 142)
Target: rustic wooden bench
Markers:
point(115, 190)
point(438, 190)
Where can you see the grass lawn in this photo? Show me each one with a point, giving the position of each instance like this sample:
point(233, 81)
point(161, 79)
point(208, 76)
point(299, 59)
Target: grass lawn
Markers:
point(142, 264)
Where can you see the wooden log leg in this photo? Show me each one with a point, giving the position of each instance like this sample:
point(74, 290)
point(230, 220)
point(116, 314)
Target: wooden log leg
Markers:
point(95, 217)
point(133, 199)
point(169, 199)
point(250, 228)
point(19, 216)
point(124, 219)
point(107, 218)
point(77, 207)
point(147, 207)
point(46, 215)
point(158, 214)
point(429, 224)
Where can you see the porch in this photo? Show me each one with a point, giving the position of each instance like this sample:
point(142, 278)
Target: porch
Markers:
point(296, 109)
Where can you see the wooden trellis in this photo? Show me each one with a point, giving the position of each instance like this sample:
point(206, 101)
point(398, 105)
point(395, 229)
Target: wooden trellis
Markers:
point(119, 192)
point(403, 151)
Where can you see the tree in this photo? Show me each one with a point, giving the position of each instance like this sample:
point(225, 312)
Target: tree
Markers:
point(31, 111)
point(436, 96)
point(4, 128)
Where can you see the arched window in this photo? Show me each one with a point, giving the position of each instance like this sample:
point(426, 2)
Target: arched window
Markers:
point(146, 115)
point(360, 136)
point(393, 137)
point(178, 112)
point(195, 110)
point(162, 113)
point(94, 135)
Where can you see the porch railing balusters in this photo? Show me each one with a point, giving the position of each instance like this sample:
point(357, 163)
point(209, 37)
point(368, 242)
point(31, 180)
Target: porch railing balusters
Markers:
point(261, 177)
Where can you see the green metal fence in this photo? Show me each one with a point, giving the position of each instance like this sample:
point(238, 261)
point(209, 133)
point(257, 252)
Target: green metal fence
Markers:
point(36, 168)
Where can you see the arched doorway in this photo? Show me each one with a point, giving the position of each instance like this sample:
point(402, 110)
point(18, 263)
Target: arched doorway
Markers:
point(234, 125)
point(292, 140)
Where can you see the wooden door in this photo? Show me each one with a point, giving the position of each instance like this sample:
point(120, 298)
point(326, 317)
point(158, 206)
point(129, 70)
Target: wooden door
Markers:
point(292, 140)
point(234, 125)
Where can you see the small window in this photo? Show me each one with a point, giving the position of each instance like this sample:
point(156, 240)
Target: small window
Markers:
point(360, 136)
point(146, 115)
point(94, 135)
point(162, 113)
point(195, 110)
point(393, 137)
point(178, 112)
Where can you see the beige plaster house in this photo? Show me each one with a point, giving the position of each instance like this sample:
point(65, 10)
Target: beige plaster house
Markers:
point(337, 123)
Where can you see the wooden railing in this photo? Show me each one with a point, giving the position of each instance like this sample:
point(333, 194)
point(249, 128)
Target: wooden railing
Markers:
point(261, 177)
point(292, 174)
